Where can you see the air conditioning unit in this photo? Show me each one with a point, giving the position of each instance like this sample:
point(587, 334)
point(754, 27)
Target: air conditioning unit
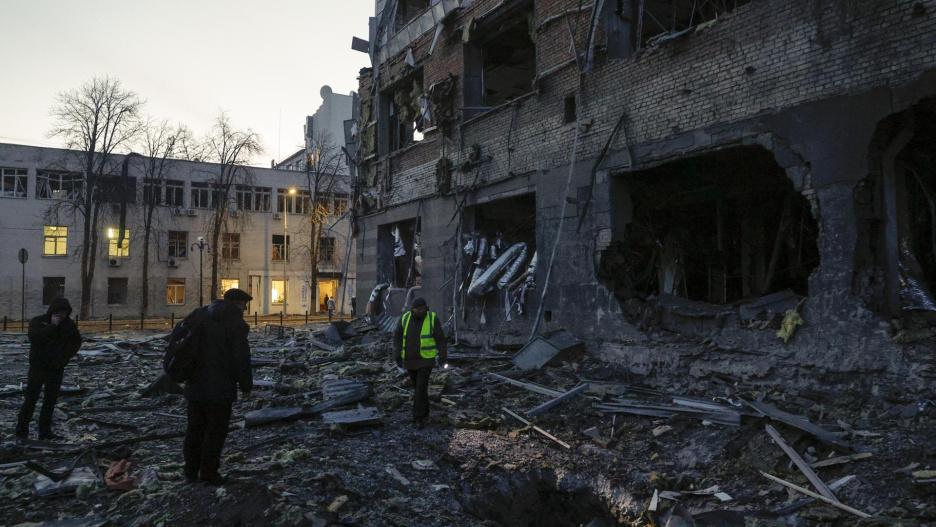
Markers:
point(277, 215)
point(191, 212)
point(178, 211)
point(113, 262)
point(173, 262)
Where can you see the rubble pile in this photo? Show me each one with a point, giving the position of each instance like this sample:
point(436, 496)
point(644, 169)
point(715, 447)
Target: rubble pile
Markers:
point(566, 440)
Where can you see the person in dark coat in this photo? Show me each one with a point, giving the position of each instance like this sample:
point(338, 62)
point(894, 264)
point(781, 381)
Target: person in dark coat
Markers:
point(53, 341)
point(418, 344)
point(223, 365)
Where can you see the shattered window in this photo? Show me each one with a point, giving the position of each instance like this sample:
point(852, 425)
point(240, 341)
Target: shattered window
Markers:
point(58, 185)
point(399, 253)
point(116, 291)
point(52, 287)
point(13, 182)
point(407, 112)
point(407, 10)
point(500, 65)
point(326, 249)
point(178, 244)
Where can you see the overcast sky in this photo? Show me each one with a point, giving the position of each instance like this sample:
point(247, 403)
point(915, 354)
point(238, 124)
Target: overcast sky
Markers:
point(262, 62)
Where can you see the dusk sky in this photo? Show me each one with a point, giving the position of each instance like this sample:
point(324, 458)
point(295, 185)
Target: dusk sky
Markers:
point(262, 62)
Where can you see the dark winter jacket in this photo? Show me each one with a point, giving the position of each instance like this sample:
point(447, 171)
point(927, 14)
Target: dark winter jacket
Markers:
point(413, 360)
point(52, 346)
point(224, 363)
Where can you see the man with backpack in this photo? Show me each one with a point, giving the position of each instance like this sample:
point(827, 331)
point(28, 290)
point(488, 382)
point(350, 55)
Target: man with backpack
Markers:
point(223, 364)
point(53, 340)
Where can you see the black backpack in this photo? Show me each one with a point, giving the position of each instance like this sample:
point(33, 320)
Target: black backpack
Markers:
point(185, 346)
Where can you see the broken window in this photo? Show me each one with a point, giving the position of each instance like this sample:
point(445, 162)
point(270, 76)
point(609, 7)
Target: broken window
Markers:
point(407, 10)
point(399, 254)
point(52, 287)
point(659, 20)
point(498, 254)
point(717, 228)
point(500, 65)
point(116, 291)
point(117, 189)
point(13, 182)
point(58, 185)
point(280, 249)
point(175, 291)
point(178, 244)
point(405, 112)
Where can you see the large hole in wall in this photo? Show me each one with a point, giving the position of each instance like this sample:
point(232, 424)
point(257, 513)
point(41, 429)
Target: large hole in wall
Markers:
point(895, 205)
point(399, 253)
point(497, 248)
point(718, 228)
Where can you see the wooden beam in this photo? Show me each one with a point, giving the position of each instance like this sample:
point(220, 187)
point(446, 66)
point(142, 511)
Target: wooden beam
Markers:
point(819, 497)
point(558, 400)
point(527, 386)
point(802, 465)
point(538, 429)
point(839, 460)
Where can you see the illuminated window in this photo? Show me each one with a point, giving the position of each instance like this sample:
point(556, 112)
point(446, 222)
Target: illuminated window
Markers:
point(229, 283)
point(175, 291)
point(55, 240)
point(278, 291)
point(116, 252)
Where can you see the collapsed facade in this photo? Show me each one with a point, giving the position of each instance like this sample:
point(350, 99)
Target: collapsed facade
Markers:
point(679, 164)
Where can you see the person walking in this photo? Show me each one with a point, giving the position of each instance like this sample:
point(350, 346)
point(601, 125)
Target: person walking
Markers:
point(418, 344)
point(53, 341)
point(223, 365)
point(330, 305)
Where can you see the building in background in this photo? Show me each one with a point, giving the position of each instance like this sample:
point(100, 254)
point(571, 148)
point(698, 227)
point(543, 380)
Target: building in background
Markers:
point(256, 252)
point(324, 163)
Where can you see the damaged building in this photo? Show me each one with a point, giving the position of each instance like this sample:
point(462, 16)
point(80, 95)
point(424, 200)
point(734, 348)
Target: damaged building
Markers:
point(722, 169)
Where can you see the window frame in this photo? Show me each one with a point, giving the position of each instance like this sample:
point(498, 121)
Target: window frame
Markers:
point(175, 285)
point(126, 290)
point(176, 244)
point(112, 250)
point(229, 252)
point(20, 182)
point(71, 183)
point(277, 250)
point(56, 238)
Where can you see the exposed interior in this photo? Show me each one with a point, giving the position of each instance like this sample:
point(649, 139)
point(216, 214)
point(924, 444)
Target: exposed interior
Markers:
point(500, 65)
point(717, 228)
point(395, 253)
point(895, 258)
point(664, 17)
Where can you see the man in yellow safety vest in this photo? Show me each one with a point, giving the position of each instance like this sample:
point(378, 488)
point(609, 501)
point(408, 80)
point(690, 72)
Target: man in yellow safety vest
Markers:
point(418, 345)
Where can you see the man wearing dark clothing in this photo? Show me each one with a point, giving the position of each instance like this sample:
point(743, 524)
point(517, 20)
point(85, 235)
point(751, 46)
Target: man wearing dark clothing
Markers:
point(418, 344)
point(53, 340)
point(223, 365)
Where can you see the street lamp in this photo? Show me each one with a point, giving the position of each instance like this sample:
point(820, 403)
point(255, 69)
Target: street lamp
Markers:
point(202, 247)
point(290, 192)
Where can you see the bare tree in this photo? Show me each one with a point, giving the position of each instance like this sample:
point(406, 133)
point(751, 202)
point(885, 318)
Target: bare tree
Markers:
point(162, 146)
point(97, 120)
point(231, 150)
point(325, 168)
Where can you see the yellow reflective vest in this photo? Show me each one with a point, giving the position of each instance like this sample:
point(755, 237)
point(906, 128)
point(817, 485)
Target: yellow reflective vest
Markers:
point(427, 344)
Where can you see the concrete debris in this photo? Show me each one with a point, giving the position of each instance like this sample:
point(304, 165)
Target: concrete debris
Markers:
point(305, 451)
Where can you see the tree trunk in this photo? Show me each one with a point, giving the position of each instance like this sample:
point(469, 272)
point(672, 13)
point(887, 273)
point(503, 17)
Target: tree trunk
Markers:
point(148, 226)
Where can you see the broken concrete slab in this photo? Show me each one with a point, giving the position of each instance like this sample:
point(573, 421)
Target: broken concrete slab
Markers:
point(358, 417)
point(551, 348)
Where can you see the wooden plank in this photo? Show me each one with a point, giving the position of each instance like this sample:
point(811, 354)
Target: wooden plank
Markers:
point(558, 400)
point(527, 386)
point(538, 429)
point(839, 460)
point(793, 507)
point(819, 497)
point(801, 423)
point(801, 464)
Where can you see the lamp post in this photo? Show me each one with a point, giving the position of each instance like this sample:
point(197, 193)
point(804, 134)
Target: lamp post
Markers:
point(291, 192)
point(202, 247)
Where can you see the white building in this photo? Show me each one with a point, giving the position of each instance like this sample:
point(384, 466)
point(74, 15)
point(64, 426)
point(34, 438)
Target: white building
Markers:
point(33, 180)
